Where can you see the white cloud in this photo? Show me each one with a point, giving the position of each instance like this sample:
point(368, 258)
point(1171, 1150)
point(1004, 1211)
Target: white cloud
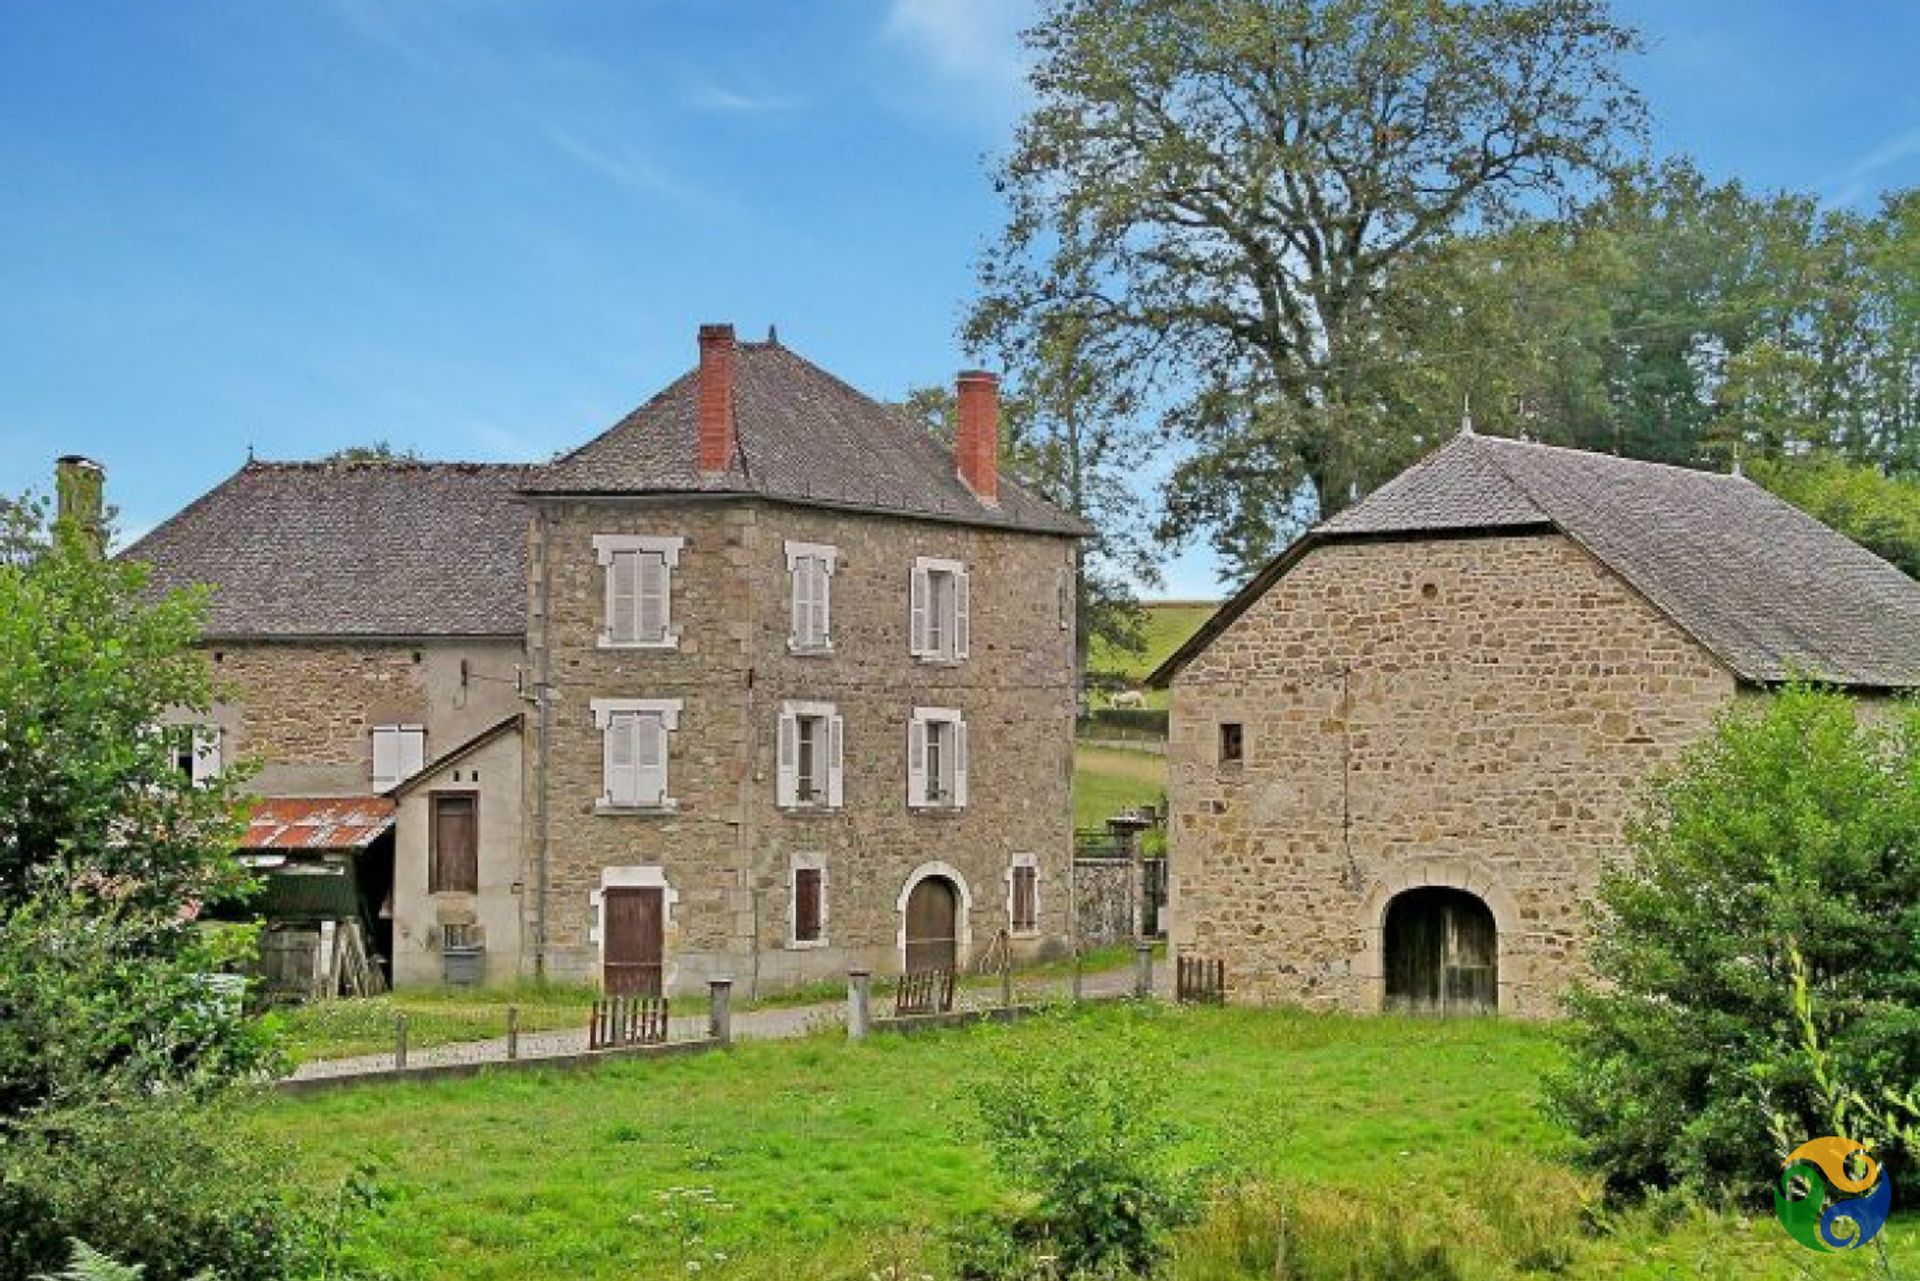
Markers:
point(708, 96)
point(1857, 180)
point(972, 43)
point(626, 167)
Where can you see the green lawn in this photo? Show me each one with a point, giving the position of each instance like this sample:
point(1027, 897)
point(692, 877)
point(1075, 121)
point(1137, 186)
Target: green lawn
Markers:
point(824, 1159)
point(1168, 625)
point(1109, 780)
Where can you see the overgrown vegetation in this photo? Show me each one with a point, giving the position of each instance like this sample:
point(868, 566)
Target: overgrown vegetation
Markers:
point(1792, 831)
point(116, 1042)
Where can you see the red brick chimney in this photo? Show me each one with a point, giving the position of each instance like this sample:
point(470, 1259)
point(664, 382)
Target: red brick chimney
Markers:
point(715, 412)
point(976, 441)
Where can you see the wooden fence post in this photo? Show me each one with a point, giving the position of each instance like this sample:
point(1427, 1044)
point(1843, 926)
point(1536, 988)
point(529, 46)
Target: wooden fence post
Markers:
point(1006, 970)
point(859, 1003)
point(720, 1010)
point(1143, 970)
point(513, 1032)
point(399, 1042)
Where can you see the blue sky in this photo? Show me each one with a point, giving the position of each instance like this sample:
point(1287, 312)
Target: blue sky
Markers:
point(487, 228)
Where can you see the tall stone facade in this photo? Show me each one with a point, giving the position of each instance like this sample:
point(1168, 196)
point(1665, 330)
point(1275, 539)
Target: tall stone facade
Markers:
point(1469, 712)
point(727, 850)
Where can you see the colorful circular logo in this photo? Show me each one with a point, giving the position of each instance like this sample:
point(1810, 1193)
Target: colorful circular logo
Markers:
point(1817, 1197)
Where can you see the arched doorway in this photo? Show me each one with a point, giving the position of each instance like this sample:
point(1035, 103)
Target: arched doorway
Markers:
point(1442, 953)
point(932, 925)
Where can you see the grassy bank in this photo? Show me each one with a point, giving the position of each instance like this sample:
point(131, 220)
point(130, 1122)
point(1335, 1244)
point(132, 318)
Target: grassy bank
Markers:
point(1380, 1139)
point(1168, 624)
point(1109, 780)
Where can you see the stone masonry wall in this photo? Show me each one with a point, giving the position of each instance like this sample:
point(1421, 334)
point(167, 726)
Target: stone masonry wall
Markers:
point(726, 852)
point(306, 710)
point(1473, 712)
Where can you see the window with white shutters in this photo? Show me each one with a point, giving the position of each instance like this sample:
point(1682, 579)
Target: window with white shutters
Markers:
point(639, 589)
point(936, 759)
point(399, 751)
point(636, 738)
point(811, 566)
point(811, 757)
point(939, 609)
point(196, 751)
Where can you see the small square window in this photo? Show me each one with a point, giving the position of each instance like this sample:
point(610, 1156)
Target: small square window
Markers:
point(1233, 743)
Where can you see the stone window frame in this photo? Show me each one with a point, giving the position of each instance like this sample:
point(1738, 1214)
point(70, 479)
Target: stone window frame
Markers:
point(786, 775)
point(917, 740)
point(827, 556)
point(1030, 861)
point(956, 642)
point(1238, 737)
point(605, 710)
point(798, 862)
point(668, 547)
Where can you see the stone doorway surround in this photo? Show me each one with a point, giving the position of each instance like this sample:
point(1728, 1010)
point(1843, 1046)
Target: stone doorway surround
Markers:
point(963, 925)
point(1471, 876)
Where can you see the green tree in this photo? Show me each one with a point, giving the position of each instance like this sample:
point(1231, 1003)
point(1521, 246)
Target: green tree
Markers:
point(1794, 825)
point(379, 451)
point(1222, 193)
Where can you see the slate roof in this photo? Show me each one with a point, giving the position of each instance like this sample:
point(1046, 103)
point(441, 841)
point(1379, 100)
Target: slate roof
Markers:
point(1768, 589)
point(399, 549)
point(802, 436)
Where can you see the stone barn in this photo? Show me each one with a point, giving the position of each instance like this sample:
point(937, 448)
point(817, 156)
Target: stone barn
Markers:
point(1400, 755)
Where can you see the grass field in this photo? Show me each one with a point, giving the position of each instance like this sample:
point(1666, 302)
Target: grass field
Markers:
point(1108, 780)
point(1168, 625)
point(824, 1159)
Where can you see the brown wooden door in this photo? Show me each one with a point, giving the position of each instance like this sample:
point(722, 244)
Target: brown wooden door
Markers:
point(454, 827)
point(1442, 953)
point(933, 918)
point(635, 940)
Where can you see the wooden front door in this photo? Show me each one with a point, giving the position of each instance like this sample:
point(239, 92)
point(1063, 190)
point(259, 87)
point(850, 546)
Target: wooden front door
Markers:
point(933, 919)
point(1442, 953)
point(635, 940)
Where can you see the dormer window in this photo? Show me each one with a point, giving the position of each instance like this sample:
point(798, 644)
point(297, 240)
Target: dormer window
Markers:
point(938, 611)
point(810, 567)
point(638, 570)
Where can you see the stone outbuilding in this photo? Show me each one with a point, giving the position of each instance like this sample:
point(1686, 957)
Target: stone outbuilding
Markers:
point(1399, 756)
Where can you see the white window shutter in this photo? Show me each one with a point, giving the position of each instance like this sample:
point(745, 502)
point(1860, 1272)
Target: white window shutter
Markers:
point(413, 752)
point(797, 627)
point(822, 589)
point(652, 593)
point(786, 787)
point(916, 762)
point(206, 752)
point(836, 794)
point(386, 757)
point(960, 611)
point(620, 777)
point(650, 758)
point(917, 624)
point(623, 596)
point(959, 791)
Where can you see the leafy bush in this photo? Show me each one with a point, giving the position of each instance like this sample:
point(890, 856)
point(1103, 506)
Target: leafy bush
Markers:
point(172, 1186)
point(1088, 1132)
point(1796, 823)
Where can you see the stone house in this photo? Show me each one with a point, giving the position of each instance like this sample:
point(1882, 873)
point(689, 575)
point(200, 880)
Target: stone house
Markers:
point(765, 681)
point(1399, 756)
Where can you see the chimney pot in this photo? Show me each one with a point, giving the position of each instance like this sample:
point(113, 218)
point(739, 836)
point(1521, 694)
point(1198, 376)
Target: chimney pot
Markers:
point(79, 486)
point(715, 412)
point(976, 441)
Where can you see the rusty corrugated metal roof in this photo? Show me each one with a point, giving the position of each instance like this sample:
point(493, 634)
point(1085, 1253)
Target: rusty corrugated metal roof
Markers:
point(318, 823)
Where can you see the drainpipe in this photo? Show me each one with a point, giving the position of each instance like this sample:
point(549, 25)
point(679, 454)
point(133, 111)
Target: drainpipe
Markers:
point(543, 696)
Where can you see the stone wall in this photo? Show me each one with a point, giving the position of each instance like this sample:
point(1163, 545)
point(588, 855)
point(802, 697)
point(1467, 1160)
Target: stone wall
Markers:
point(727, 850)
point(1473, 712)
point(305, 710)
point(1103, 900)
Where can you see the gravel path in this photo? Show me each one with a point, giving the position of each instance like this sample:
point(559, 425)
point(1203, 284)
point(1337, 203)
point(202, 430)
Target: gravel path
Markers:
point(768, 1023)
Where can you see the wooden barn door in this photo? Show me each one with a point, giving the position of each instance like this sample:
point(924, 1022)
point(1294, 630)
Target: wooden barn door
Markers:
point(635, 940)
point(1442, 953)
point(933, 918)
